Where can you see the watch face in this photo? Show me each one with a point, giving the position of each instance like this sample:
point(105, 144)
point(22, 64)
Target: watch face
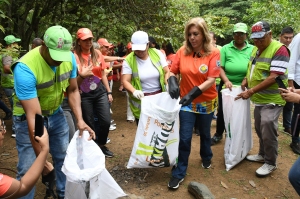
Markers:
point(89, 84)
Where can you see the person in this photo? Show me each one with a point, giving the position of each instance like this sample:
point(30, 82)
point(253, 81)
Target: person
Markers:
point(170, 53)
point(7, 111)
point(286, 37)
point(294, 74)
point(153, 44)
point(198, 63)
point(293, 96)
point(268, 60)
point(95, 91)
point(48, 72)
point(12, 188)
point(234, 63)
point(145, 72)
point(36, 42)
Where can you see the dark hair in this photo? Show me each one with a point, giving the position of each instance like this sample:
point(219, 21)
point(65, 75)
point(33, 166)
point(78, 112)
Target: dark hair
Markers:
point(287, 30)
point(37, 41)
point(169, 49)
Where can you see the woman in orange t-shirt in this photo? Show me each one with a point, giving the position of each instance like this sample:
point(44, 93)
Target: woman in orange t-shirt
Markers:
point(12, 188)
point(198, 63)
point(95, 91)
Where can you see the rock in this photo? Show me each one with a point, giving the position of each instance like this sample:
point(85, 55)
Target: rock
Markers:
point(200, 191)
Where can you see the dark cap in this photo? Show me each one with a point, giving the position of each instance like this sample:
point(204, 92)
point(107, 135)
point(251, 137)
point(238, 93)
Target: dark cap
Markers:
point(259, 29)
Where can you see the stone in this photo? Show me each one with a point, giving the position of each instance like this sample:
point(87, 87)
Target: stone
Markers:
point(200, 191)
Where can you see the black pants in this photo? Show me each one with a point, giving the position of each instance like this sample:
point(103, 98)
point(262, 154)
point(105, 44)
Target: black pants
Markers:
point(96, 101)
point(220, 127)
point(295, 137)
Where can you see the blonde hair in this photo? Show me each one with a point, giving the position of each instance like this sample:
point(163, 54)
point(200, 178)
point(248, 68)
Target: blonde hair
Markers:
point(202, 26)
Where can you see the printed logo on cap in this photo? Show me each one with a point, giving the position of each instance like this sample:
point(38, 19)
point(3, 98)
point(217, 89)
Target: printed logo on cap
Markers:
point(257, 28)
point(60, 43)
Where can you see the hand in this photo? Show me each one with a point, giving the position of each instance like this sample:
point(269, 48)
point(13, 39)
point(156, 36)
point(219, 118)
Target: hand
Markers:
point(173, 87)
point(86, 71)
point(138, 94)
point(43, 140)
point(245, 95)
point(187, 99)
point(82, 126)
point(244, 84)
point(289, 96)
point(110, 98)
point(228, 84)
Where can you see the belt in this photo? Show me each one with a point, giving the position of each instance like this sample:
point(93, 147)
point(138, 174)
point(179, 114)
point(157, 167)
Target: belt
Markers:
point(153, 93)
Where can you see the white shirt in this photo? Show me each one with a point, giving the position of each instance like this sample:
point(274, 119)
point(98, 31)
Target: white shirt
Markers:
point(294, 63)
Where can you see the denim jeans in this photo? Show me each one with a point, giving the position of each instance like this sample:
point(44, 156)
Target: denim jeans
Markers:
point(187, 121)
point(70, 117)
point(294, 176)
point(58, 131)
point(97, 100)
point(9, 94)
point(295, 132)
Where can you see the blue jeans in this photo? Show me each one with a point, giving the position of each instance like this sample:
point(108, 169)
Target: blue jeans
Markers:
point(58, 131)
point(294, 176)
point(187, 121)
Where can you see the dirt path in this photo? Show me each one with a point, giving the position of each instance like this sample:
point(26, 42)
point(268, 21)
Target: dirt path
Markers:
point(152, 183)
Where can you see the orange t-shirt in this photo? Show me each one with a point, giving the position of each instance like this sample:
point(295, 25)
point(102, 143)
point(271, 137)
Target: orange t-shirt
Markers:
point(194, 71)
point(170, 59)
point(5, 183)
point(100, 65)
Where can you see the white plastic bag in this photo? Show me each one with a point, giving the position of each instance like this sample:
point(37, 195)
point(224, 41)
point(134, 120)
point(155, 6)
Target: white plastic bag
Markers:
point(85, 162)
point(157, 136)
point(237, 120)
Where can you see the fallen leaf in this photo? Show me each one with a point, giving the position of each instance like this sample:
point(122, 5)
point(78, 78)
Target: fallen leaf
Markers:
point(252, 183)
point(224, 185)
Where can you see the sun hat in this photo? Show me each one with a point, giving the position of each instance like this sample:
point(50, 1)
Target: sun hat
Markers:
point(84, 33)
point(259, 29)
point(139, 40)
point(240, 27)
point(10, 39)
point(104, 42)
point(59, 42)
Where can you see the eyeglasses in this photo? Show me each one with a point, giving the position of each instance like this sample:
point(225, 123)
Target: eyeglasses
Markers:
point(240, 34)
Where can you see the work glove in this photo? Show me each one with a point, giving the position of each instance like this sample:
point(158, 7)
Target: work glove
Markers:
point(188, 98)
point(49, 180)
point(173, 87)
point(138, 94)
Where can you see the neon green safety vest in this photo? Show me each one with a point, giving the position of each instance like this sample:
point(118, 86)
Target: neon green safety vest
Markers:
point(50, 85)
point(261, 72)
point(7, 80)
point(135, 104)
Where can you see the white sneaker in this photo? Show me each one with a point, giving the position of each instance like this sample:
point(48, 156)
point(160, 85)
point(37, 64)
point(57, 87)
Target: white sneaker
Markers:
point(265, 170)
point(107, 141)
point(13, 135)
point(112, 128)
point(255, 158)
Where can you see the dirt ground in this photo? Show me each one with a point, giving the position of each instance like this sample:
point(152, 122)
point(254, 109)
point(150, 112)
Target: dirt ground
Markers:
point(152, 183)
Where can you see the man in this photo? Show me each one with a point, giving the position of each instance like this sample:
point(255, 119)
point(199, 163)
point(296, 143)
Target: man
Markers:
point(294, 74)
point(48, 72)
point(268, 60)
point(36, 42)
point(286, 38)
point(7, 79)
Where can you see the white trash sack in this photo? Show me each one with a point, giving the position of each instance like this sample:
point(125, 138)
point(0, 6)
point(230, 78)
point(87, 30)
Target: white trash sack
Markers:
point(157, 136)
point(84, 163)
point(237, 120)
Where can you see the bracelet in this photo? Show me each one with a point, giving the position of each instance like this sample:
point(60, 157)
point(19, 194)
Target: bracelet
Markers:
point(81, 76)
point(109, 93)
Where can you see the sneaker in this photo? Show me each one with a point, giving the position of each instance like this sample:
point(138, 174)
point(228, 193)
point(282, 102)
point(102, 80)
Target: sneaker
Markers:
point(8, 116)
point(215, 139)
point(206, 164)
point(112, 127)
point(255, 158)
point(197, 132)
point(214, 117)
point(107, 141)
point(174, 183)
point(265, 170)
point(107, 152)
point(13, 135)
point(288, 131)
point(295, 147)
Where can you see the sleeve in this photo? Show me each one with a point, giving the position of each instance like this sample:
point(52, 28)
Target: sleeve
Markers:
point(223, 56)
point(5, 183)
point(214, 65)
point(101, 60)
point(175, 63)
point(280, 60)
point(126, 69)
point(162, 58)
point(22, 74)
point(74, 69)
point(7, 60)
point(295, 55)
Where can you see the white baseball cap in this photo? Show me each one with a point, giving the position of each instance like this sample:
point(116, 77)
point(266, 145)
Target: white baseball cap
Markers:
point(139, 40)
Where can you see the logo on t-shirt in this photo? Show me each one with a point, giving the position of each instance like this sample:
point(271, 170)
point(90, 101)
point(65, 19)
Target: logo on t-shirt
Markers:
point(203, 68)
point(218, 63)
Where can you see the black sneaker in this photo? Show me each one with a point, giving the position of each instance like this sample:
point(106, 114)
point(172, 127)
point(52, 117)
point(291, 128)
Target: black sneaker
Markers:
point(174, 183)
point(107, 152)
point(206, 164)
point(197, 132)
point(215, 139)
point(295, 147)
point(288, 131)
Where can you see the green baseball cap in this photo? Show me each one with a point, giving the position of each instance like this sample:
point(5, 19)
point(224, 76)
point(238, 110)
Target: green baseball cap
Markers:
point(59, 42)
point(240, 27)
point(10, 39)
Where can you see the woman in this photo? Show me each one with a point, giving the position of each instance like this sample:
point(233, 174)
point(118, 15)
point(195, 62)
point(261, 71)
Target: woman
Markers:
point(144, 72)
point(234, 63)
point(197, 61)
point(12, 188)
point(95, 91)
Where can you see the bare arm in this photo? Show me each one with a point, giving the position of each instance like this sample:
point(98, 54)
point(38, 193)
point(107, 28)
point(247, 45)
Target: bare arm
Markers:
point(126, 80)
point(207, 84)
point(112, 58)
point(106, 85)
point(167, 74)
